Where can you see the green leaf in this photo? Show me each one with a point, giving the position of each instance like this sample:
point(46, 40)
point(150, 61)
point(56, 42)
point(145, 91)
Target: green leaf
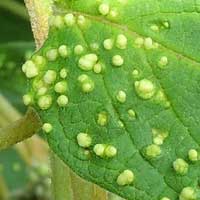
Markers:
point(138, 101)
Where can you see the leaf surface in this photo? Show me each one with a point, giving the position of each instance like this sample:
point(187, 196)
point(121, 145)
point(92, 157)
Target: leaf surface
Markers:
point(144, 102)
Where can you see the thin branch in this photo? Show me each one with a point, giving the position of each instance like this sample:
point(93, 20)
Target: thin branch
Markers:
point(61, 180)
point(20, 130)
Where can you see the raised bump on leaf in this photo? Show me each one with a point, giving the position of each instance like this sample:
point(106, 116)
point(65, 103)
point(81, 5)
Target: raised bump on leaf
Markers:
point(145, 88)
point(63, 73)
point(60, 87)
point(52, 54)
point(193, 155)
point(50, 76)
point(117, 60)
point(188, 193)
point(125, 178)
point(44, 102)
point(180, 166)
point(47, 127)
point(27, 99)
point(84, 140)
point(62, 100)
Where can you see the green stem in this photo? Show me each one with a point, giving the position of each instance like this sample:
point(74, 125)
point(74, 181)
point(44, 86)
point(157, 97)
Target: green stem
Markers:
point(20, 130)
point(61, 181)
point(3, 189)
point(14, 7)
point(68, 186)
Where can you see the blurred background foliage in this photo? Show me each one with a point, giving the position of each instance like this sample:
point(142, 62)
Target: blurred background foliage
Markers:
point(24, 172)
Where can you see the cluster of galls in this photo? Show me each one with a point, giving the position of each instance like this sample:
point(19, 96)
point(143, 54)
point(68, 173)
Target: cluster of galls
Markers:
point(145, 89)
point(43, 81)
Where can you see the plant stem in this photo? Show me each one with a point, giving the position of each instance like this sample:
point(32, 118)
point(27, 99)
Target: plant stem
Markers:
point(14, 7)
point(3, 189)
point(20, 130)
point(86, 190)
point(66, 185)
point(61, 181)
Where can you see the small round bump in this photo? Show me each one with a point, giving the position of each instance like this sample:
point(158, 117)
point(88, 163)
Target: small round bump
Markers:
point(163, 61)
point(47, 127)
point(84, 140)
point(108, 44)
point(50, 77)
point(57, 21)
point(139, 42)
point(52, 54)
point(180, 166)
point(88, 86)
point(166, 24)
point(97, 68)
point(154, 28)
point(121, 41)
point(81, 21)
point(63, 73)
point(42, 91)
point(153, 150)
point(131, 114)
point(113, 13)
point(63, 51)
point(62, 100)
point(39, 60)
point(121, 96)
point(102, 118)
point(69, 19)
point(120, 124)
point(145, 88)
point(104, 9)
point(44, 102)
point(165, 198)
point(135, 73)
point(27, 99)
point(110, 151)
point(88, 61)
point(60, 87)
point(148, 43)
point(117, 60)
point(125, 178)
point(193, 155)
point(83, 77)
point(78, 49)
point(159, 136)
point(188, 193)
point(94, 46)
point(30, 69)
point(99, 149)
